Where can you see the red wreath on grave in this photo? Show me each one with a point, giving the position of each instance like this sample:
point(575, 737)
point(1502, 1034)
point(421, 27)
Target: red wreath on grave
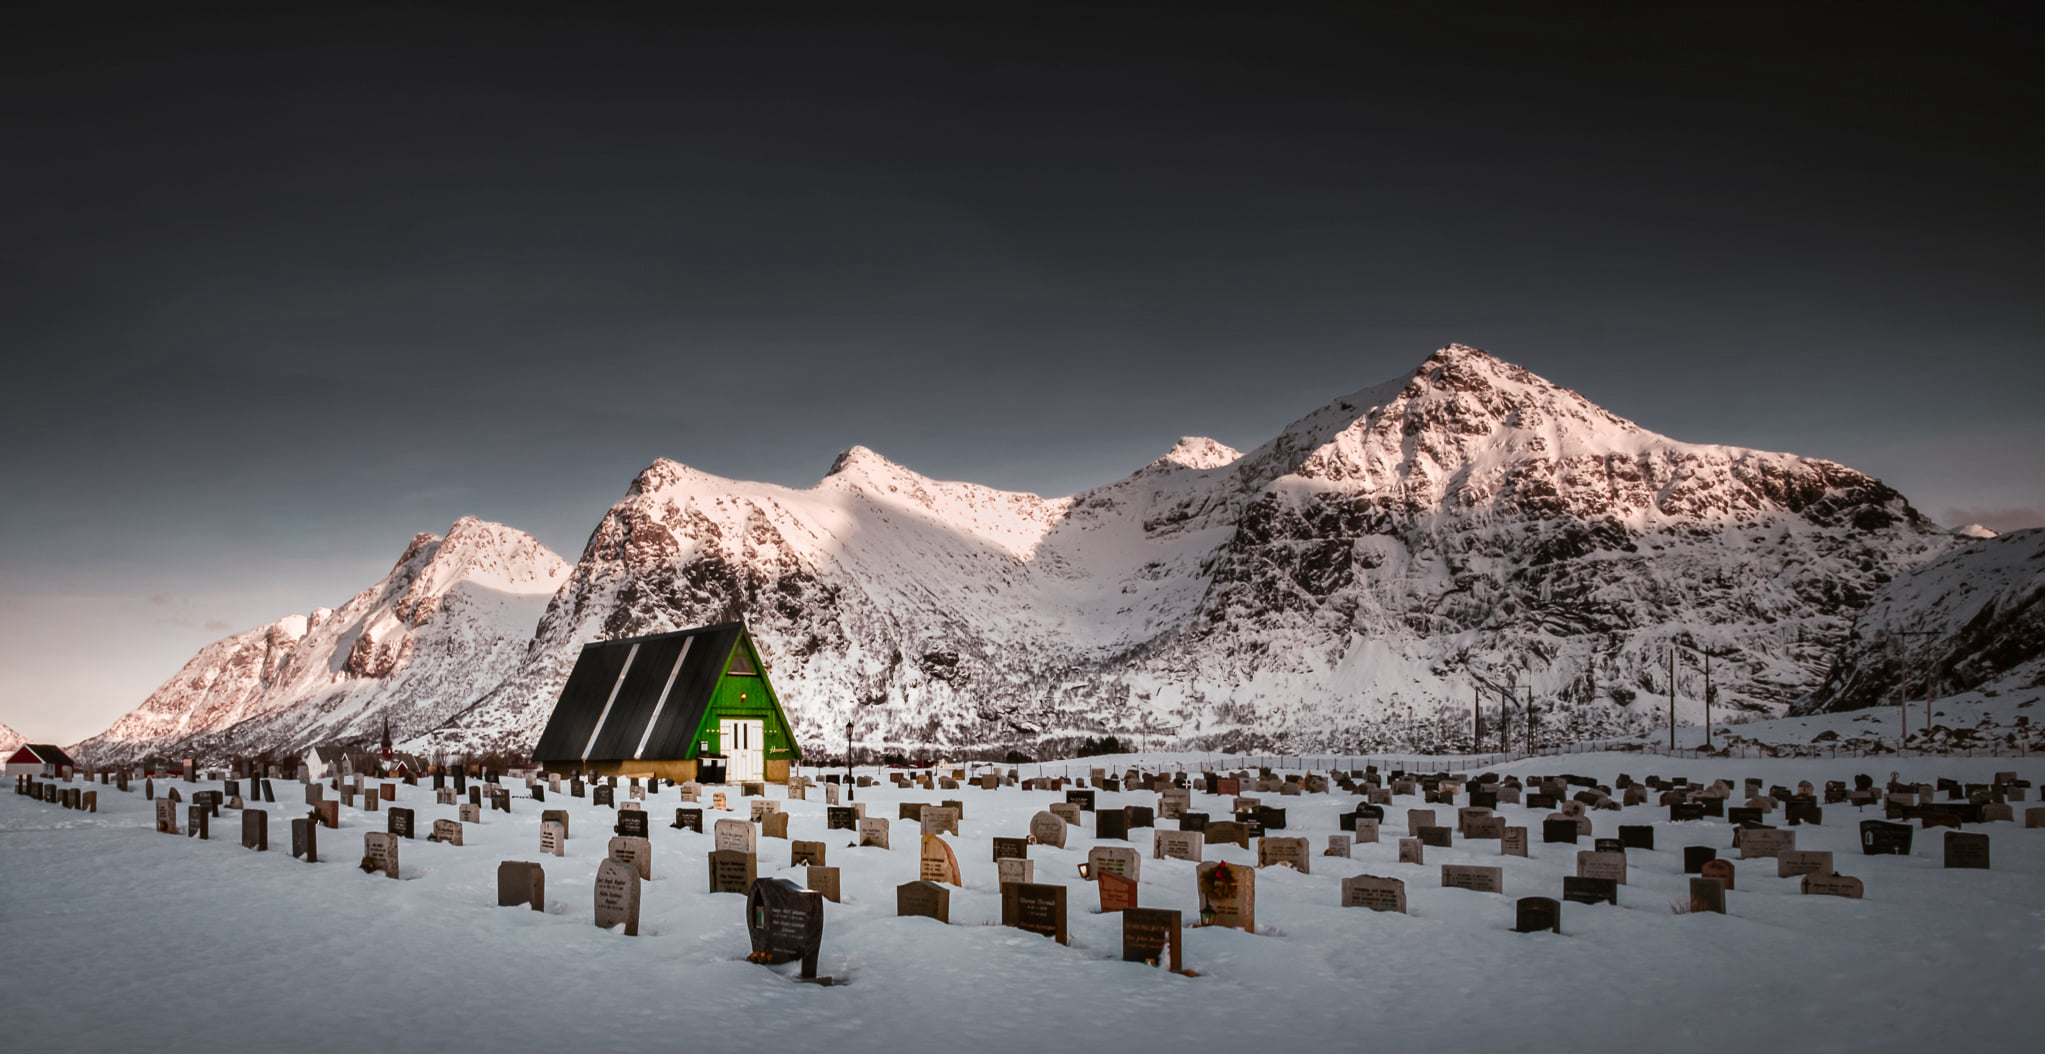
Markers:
point(1220, 883)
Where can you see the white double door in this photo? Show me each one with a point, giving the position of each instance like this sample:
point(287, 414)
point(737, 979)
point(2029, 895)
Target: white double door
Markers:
point(745, 749)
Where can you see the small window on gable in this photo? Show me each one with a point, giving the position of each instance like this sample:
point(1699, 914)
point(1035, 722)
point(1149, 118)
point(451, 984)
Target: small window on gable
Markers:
point(741, 664)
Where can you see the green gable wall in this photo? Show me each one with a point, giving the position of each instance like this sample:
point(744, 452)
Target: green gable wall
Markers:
point(760, 704)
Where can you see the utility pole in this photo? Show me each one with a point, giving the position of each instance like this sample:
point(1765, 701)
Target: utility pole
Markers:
point(1476, 720)
point(1903, 704)
point(1672, 697)
point(1530, 718)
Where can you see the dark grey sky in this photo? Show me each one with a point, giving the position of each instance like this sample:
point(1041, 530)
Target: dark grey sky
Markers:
point(280, 291)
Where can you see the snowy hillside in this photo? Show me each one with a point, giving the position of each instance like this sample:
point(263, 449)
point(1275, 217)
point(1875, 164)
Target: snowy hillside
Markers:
point(10, 741)
point(452, 618)
point(1971, 621)
point(1470, 529)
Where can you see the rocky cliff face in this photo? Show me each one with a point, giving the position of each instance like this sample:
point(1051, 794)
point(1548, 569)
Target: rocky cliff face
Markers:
point(1973, 620)
point(1467, 533)
point(452, 619)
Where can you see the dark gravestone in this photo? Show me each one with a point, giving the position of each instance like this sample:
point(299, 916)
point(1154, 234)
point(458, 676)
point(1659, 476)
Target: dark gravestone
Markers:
point(1695, 856)
point(1141, 816)
point(1688, 810)
point(841, 818)
point(1152, 935)
point(604, 794)
point(732, 871)
point(255, 830)
point(923, 899)
point(1540, 801)
point(1744, 815)
point(1537, 915)
point(400, 822)
point(1270, 819)
point(1881, 838)
point(305, 839)
point(268, 794)
point(1562, 831)
point(1965, 850)
point(1803, 812)
point(1193, 821)
point(476, 796)
point(806, 854)
point(1083, 799)
point(1439, 837)
point(575, 788)
point(198, 815)
point(1112, 825)
point(786, 924)
point(1713, 807)
point(1016, 848)
point(689, 820)
point(1608, 845)
point(1590, 890)
point(631, 823)
point(1036, 907)
point(520, 884)
point(232, 788)
point(539, 792)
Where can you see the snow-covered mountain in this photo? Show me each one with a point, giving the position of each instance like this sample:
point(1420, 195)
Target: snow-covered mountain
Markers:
point(10, 741)
point(451, 620)
point(1467, 531)
point(1973, 620)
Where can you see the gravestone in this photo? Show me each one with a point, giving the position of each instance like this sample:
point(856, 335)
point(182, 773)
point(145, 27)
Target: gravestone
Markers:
point(1583, 889)
point(1722, 870)
point(1796, 863)
point(255, 830)
point(553, 841)
point(1011, 847)
point(1226, 831)
point(330, 813)
point(806, 854)
point(1178, 845)
point(1696, 856)
point(305, 840)
point(1418, 818)
point(760, 807)
point(732, 871)
point(1047, 829)
point(1637, 836)
point(1084, 799)
point(1765, 841)
point(1513, 842)
point(873, 832)
point(737, 836)
point(1412, 851)
point(443, 796)
point(197, 817)
point(786, 924)
point(387, 791)
point(446, 832)
point(937, 862)
point(631, 824)
point(380, 853)
point(1537, 915)
point(520, 884)
point(1228, 895)
point(841, 818)
point(1365, 831)
point(1036, 908)
point(1466, 876)
point(1111, 825)
point(1290, 852)
point(1966, 850)
point(1375, 893)
point(617, 895)
point(468, 813)
point(1602, 865)
point(1066, 811)
point(1562, 831)
point(1338, 845)
point(1707, 894)
point(824, 880)
point(937, 819)
point(1118, 860)
point(1438, 837)
point(924, 899)
point(603, 795)
point(399, 822)
point(1833, 886)
point(774, 825)
point(1014, 869)
point(1193, 821)
point(1153, 936)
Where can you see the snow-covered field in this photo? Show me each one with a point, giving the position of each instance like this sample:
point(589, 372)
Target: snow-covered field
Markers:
point(117, 937)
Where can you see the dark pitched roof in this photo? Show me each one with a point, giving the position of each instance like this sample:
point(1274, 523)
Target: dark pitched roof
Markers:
point(50, 755)
point(638, 690)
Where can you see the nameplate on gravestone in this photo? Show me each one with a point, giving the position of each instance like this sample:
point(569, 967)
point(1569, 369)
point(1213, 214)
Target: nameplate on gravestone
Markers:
point(1966, 850)
point(1561, 830)
point(1375, 893)
point(380, 853)
point(1722, 870)
point(1035, 907)
point(1228, 895)
point(1589, 889)
point(1047, 829)
point(1834, 886)
point(617, 896)
point(1796, 863)
point(1466, 876)
point(637, 852)
point(1696, 856)
point(255, 830)
point(732, 871)
point(1011, 847)
point(873, 831)
point(824, 880)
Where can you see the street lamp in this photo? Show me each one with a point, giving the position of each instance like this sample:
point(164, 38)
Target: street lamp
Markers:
point(848, 759)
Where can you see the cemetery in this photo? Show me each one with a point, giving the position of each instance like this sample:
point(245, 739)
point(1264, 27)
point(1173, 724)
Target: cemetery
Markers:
point(1161, 900)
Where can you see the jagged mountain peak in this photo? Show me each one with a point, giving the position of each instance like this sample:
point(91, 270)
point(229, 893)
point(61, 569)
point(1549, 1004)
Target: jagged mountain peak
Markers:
point(1198, 452)
point(1975, 530)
